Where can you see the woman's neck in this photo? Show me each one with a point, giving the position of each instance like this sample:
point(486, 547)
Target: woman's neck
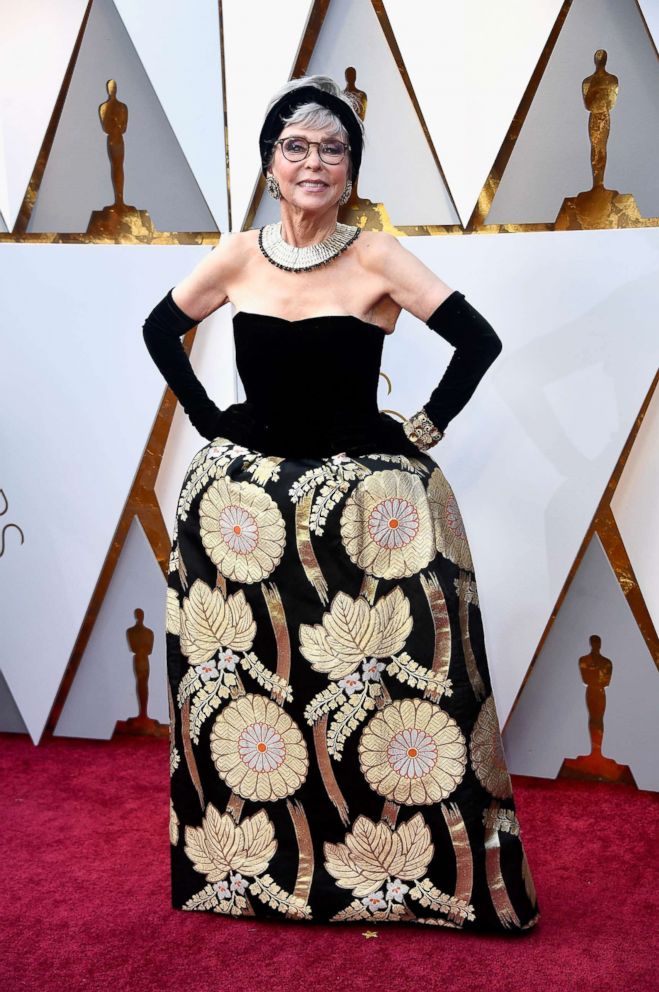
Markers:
point(300, 228)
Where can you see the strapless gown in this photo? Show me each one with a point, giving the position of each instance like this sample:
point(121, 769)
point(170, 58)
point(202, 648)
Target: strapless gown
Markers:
point(335, 750)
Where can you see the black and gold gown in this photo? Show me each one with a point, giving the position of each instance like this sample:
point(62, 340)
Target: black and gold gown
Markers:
point(335, 748)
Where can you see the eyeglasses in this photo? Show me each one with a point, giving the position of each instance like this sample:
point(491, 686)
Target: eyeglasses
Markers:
point(296, 149)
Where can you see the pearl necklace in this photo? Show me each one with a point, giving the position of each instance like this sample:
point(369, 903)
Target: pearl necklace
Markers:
point(295, 259)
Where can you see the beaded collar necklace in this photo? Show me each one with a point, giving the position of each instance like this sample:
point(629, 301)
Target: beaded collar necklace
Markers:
point(295, 259)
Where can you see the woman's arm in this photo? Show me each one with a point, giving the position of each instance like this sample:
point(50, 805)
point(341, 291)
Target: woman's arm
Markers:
point(202, 292)
point(417, 289)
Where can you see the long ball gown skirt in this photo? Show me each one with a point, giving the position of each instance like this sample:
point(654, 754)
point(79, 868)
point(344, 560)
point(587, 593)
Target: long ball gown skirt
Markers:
point(335, 749)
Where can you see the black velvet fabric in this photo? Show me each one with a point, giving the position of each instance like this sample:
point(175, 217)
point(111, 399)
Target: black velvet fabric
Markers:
point(291, 389)
point(476, 346)
point(162, 331)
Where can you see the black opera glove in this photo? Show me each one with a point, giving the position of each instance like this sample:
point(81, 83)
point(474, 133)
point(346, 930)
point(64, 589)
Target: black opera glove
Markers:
point(162, 331)
point(476, 346)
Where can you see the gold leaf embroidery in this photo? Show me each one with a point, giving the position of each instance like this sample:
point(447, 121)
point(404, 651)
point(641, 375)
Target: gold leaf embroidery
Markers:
point(263, 468)
point(172, 613)
point(219, 845)
point(501, 819)
point(173, 823)
point(205, 701)
point(407, 670)
point(209, 621)
point(352, 630)
point(359, 911)
point(430, 896)
point(273, 895)
point(374, 851)
point(348, 718)
point(324, 702)
point(279, 688)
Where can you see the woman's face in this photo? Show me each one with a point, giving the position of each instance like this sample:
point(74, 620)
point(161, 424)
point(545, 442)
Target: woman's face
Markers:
point(310, 184)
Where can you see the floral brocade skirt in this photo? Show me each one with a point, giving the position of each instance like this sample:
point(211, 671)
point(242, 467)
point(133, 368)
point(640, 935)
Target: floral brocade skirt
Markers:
point(335, 751)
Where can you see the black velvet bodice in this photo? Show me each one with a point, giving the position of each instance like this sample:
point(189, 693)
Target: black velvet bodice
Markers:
point(312, 384)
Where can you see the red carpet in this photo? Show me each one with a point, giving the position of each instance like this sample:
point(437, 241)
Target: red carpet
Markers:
point(85, 895)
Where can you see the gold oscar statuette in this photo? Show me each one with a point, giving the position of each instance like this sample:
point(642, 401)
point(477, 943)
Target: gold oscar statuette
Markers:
point(596, 673)
point(119, 220)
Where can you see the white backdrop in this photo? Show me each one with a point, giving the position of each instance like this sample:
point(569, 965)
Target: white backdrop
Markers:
point(530, 455)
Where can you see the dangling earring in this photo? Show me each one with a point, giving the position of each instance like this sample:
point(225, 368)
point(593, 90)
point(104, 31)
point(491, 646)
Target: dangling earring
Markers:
point(273, 186)
point(345, 196)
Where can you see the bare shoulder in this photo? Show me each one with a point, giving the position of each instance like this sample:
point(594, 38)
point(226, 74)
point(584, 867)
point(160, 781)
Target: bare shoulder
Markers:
point(205, 288)
point(375, 247)
point(407, 280)
point(241, 241)
point(233, 248)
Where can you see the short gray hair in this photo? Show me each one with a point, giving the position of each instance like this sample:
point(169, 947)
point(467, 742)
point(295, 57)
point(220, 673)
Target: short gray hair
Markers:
point(314, 115)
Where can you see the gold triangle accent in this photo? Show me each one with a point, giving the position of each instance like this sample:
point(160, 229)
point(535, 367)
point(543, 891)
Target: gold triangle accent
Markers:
point(604, 525)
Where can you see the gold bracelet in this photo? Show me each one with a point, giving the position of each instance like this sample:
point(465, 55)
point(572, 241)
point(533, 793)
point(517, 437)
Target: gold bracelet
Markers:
point(421, 431)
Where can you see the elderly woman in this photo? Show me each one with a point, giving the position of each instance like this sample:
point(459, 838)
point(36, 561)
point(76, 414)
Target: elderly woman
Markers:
point(335, 748)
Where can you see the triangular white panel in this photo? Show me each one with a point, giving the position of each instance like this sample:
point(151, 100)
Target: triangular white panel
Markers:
point(469, 64)
point(529, 457)
point(398, 168)
point(36, 42)
point(77, 177)
point(104, 689)
point(550, 721)
point(11, 721)
point(551, 157)
point(181, 54)
point(636, 507)
point(260, 47)
point(650, 10)
point(83, 393)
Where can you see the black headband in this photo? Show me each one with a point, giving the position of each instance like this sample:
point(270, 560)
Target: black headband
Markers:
point(273, 123)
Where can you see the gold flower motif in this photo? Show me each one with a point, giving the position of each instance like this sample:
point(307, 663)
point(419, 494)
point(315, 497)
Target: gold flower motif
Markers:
point(486, 751)
point(374, 851)
point(386, 524)
point(450, 535)
point(258, 750)
point(219, 845)
point(413, 752)
point(242, 529)
point(208, 621)
point(352, 630)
